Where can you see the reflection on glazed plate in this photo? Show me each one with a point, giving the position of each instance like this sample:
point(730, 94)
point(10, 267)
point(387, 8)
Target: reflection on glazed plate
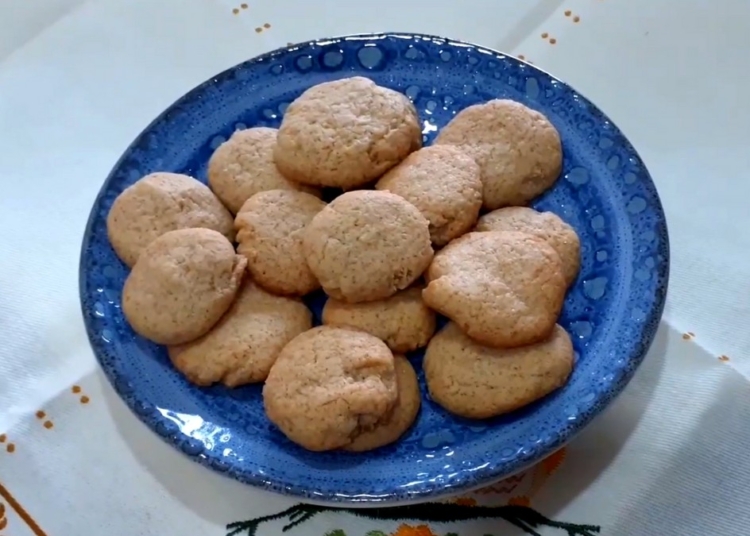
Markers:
point(612, 311)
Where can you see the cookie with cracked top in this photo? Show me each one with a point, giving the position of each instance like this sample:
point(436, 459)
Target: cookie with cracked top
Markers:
point(330, 384)
point(518, 150)
point(504, 289)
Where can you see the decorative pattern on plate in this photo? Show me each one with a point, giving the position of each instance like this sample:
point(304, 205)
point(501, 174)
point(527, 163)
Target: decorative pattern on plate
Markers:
point(612, 311)
point(523, 517)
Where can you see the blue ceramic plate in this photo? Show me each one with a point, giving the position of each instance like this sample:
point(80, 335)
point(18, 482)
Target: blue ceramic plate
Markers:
point(612, 312)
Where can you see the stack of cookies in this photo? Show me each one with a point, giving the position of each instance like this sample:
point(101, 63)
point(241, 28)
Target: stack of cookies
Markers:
point(233, 314)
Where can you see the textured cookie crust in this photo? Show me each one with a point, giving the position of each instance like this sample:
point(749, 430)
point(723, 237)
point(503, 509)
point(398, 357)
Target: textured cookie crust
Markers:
point(270, 227)
point(158, 203)
point(444, 183)
point(346, 133)
point(478, 382)
point(328, 385)
point(518, 150)
point(182, 284)
point(546, 225)
point(503, 289)
point(402, 416)
point(243, 345)
point(367, 245)
point(402, 321)
point(243, 165)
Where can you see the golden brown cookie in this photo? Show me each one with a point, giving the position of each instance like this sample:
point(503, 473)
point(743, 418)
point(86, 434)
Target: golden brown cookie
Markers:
point(328, 385)
point(243, 345)
point(367, 245)
point(158, 203)
point(182, 284)
point(402, 416)
point(443, 182)
point(518, 150)
point(270, 227)
point(346, 133)
point(503, 289)
point(243, 165)
point(546, 225)
point(478, 382)
point(402, 321)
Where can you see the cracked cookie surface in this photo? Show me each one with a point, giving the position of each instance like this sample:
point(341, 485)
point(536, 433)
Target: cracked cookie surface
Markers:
point(328, 385)
point(367, 245)
point(270, 227)
point(402, 321)
point(243, 345)
point(346, 133)
point(402, 416)
point(546, 225)
point(444, 183)
point(159, 203)
point(182, 284)
point(503, 289)
point(518, 150)
point(243, 166)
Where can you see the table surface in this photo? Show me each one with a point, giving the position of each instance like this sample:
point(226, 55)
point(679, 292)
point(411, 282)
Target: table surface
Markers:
point(79, 80)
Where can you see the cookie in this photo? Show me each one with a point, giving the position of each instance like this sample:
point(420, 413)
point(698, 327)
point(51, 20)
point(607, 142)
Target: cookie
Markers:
point(503, 289)
point(346, 133)
point(443, 182)
point(158, 203)
point(518, 150)
point(243, 345)
point(243, 165)
point(402, 416)
point(478, 382)
point(402, 321)
point(328, 385)
point(546, 225)
point(269, 227)
point(367, 245)
point(182, 284)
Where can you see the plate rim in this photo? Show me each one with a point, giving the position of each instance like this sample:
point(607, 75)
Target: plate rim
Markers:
point(491, 473)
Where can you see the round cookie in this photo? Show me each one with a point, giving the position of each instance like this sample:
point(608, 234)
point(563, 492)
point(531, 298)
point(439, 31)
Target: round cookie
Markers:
point(478, 382)
point(503, 289)
point(402, 321)
point(346, 133)
point(546, 225)
point(443, 182)
point(182, 284)
point(328, 385)
point(402, 416)
point(270, 227)
point(367, 245)
point(518, 150)
point(158, 203)
point(243, 345)
point(243, 165)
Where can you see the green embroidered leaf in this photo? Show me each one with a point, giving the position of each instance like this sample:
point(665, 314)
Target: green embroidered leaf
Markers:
point(376, 533)
point(337, 532)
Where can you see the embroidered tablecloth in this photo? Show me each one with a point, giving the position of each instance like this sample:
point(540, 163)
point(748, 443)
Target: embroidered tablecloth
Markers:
point(79, 80)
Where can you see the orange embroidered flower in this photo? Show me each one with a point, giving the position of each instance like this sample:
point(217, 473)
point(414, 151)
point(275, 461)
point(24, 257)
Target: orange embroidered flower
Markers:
point(465, 501)
point(408, 530)
point(519, 501)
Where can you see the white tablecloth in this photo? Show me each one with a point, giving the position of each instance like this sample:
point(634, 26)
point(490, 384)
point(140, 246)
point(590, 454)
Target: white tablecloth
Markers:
point(80, 79)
